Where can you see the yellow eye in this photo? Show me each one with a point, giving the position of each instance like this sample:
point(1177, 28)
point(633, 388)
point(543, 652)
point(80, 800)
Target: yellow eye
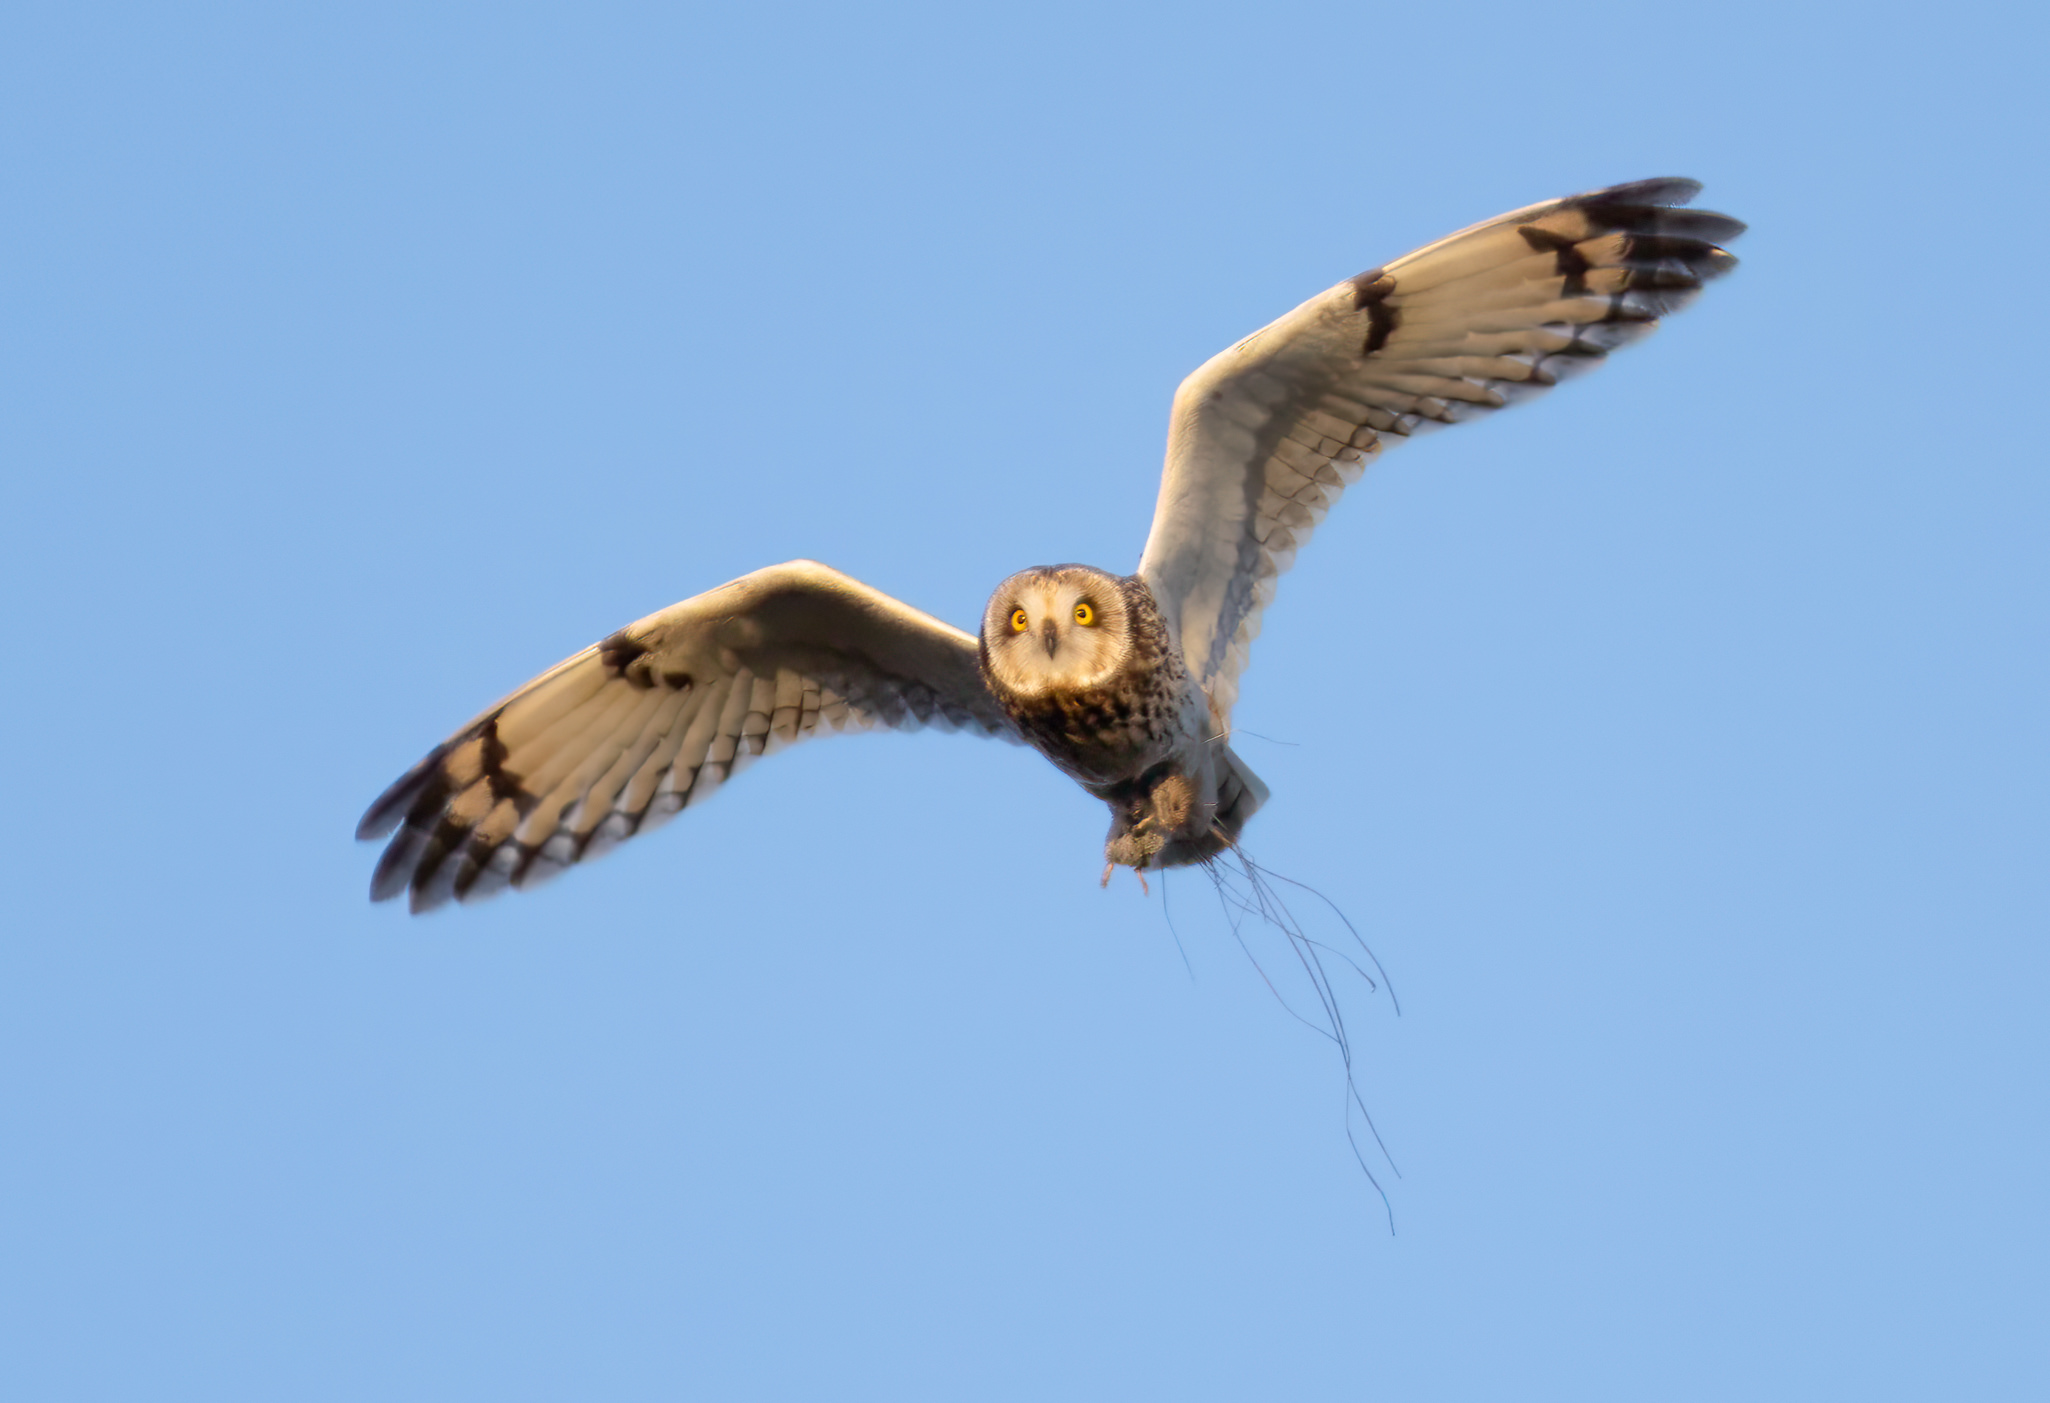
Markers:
point(1085, 616)
point(1019, 623)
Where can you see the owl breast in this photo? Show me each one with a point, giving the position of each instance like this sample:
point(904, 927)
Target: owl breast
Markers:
point(1101, 736)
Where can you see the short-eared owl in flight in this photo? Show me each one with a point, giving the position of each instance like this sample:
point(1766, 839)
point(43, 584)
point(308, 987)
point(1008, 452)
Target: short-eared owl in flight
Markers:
point(1126, 682)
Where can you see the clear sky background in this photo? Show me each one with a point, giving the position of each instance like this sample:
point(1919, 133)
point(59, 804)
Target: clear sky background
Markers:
point(1678, 741)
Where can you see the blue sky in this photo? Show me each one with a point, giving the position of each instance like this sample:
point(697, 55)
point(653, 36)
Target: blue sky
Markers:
point(1677, 741)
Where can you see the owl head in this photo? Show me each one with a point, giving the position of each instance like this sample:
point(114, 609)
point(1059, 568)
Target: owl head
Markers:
point(1056, 628)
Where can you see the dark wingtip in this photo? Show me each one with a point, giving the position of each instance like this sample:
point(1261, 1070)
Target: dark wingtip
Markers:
point(388, 808)
point(1715, 263)
point(1659, 190)
point(1650, 211)
point(395, 865)
point(379, 819)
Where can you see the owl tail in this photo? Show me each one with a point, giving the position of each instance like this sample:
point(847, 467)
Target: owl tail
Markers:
point(1239, 795)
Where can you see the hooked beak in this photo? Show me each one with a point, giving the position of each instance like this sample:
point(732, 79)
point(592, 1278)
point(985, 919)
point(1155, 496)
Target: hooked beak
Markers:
point(1049, 637)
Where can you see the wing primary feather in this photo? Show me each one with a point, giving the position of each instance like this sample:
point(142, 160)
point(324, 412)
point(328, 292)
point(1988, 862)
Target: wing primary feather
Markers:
point(1487, 317)
point(619, 737)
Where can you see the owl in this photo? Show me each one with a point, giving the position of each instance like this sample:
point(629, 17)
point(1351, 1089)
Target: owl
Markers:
point(1125, 682)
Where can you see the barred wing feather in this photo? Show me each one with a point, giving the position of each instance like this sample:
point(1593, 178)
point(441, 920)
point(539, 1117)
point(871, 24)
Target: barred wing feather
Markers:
point(1265, 436)
point(614, 741)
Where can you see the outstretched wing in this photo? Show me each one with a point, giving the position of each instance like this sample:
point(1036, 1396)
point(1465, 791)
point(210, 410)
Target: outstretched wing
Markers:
point(1265, 436)
point(615, 740)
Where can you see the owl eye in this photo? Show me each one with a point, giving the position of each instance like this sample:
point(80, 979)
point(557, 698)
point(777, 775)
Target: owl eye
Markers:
point(1019, 623)
point(1085, 616)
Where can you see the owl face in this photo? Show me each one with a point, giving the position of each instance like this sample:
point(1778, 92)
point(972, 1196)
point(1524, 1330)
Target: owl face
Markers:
point(1056, 628)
